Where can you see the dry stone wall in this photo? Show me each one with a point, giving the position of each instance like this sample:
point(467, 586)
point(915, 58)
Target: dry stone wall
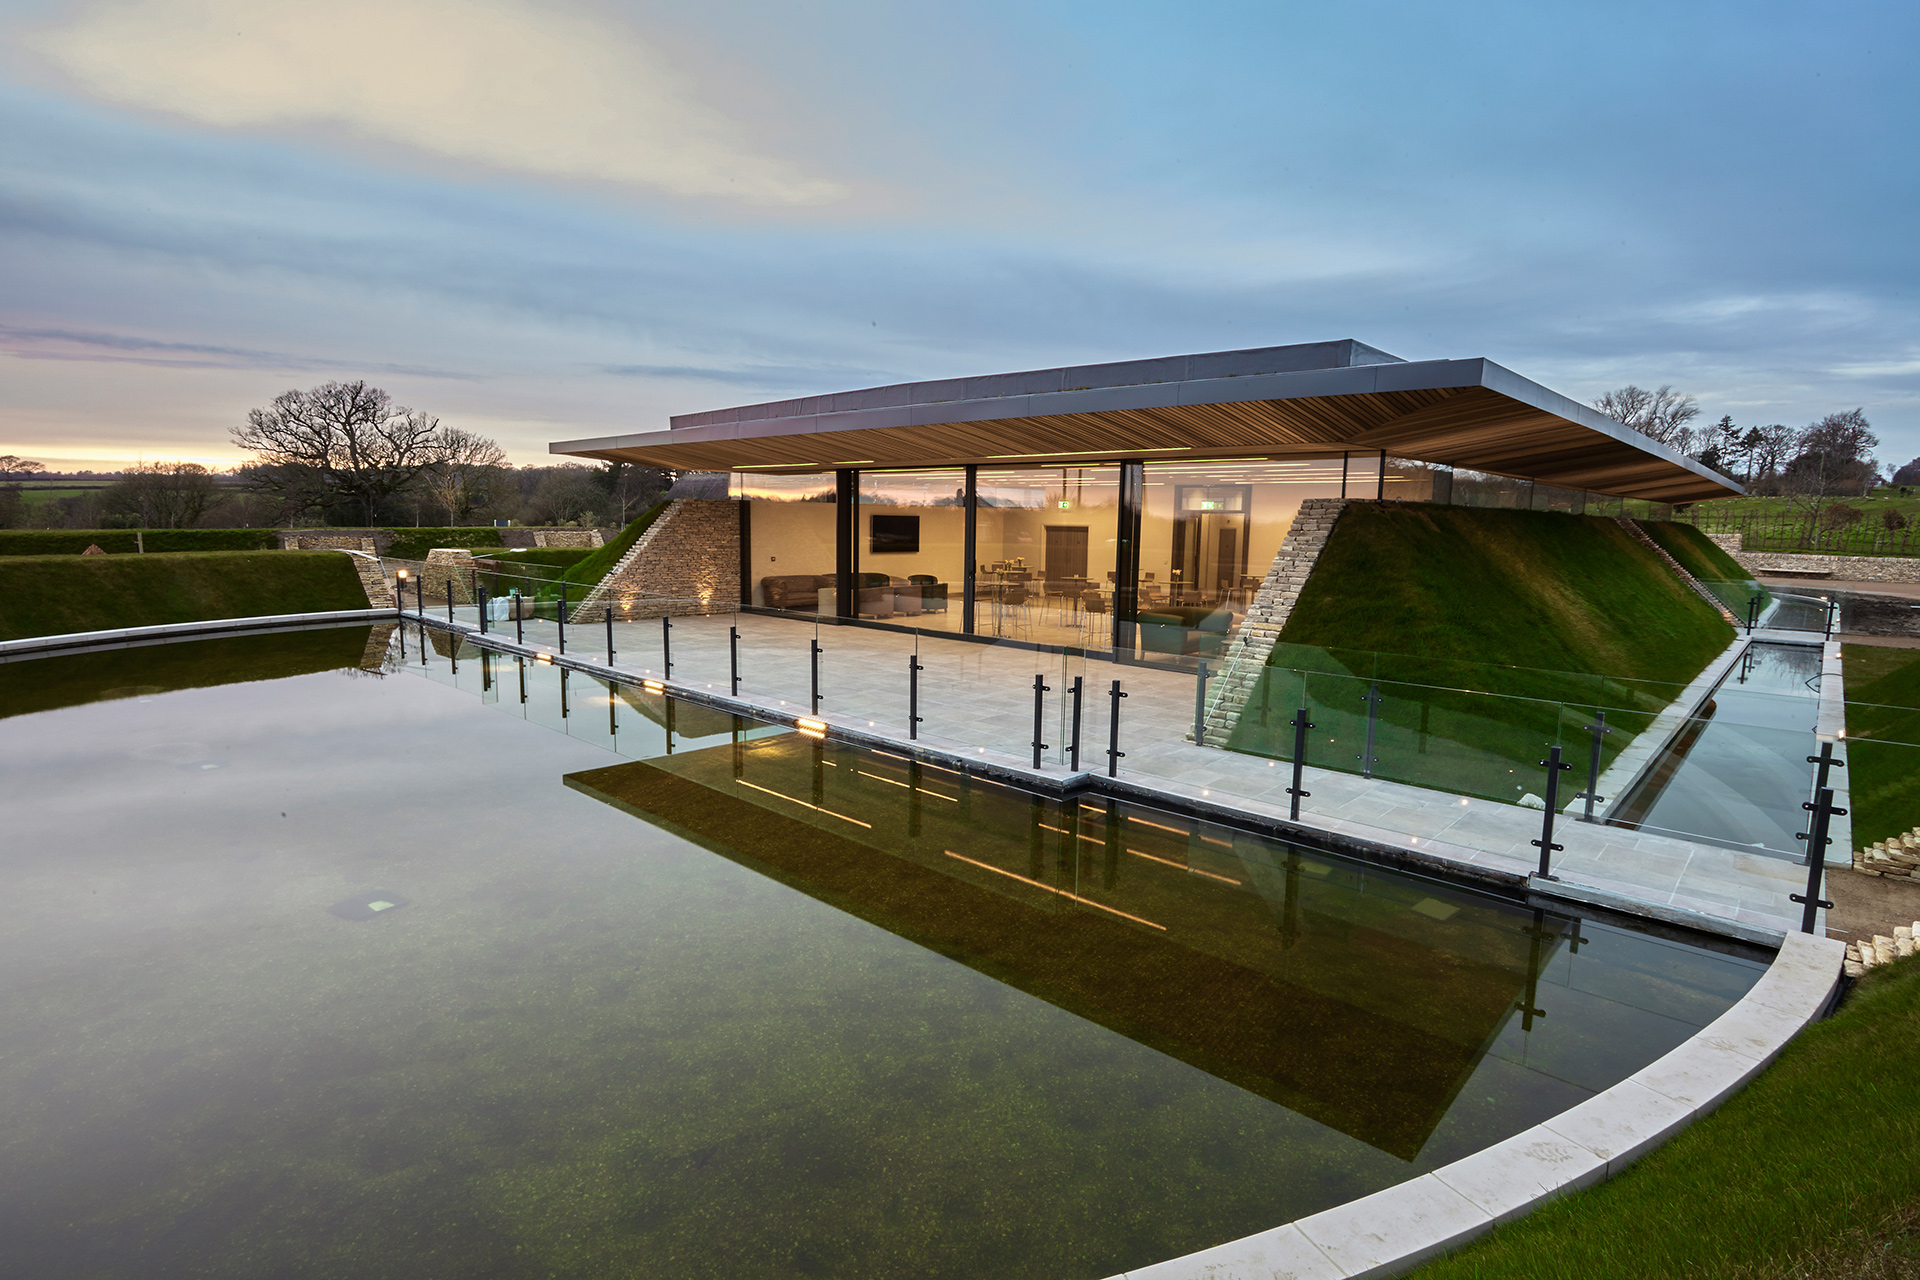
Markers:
point(1844, 568)
point(1251, 643)
point(687, 562)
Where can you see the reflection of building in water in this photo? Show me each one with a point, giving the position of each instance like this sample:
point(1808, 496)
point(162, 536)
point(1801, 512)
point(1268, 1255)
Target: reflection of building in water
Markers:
point(1362, 1000)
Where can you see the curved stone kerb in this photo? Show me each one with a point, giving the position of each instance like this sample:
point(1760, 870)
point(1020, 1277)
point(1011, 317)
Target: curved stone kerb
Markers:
point(1393, 1231)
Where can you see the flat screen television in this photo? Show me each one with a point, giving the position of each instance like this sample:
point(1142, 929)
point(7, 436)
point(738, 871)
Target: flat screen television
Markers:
point(894, 535)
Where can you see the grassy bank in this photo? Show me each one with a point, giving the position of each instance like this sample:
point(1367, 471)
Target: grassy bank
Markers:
point(1488, 635)
point(54, 595)
point(1883, 726)
point(588, 572)
point(1706, 560)
point(47, 683)
point(1798, 1175)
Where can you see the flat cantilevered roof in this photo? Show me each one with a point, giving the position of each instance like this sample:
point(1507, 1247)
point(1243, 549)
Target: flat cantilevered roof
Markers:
point(1310, 398)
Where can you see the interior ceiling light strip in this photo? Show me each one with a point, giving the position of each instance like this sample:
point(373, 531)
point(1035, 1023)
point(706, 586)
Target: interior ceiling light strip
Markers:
point(987, 866)
point(1180, 866)
point(1084, 453)
point(804, 804)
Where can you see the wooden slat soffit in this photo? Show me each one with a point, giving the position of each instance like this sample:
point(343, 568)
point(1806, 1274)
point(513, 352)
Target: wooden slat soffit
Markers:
point(1475, 427)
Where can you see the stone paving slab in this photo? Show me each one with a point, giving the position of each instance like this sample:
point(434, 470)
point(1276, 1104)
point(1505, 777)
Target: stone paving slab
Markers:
point(977, 699)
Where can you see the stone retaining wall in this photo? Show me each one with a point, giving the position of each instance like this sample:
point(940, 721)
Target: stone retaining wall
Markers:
point(372, 541)
point(1845, 568)
point(687, 562)
point(1247, 649)
point(444, 564)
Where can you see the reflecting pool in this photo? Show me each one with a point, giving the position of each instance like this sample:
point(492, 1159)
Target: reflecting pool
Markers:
point(329, 960)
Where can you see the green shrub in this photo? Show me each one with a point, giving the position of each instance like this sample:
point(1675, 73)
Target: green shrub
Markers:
point(413, 544)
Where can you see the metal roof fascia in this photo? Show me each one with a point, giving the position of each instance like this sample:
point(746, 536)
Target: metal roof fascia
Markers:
point(1506, 382)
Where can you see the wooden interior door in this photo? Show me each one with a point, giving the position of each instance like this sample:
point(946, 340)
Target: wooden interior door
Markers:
point(1066, 551)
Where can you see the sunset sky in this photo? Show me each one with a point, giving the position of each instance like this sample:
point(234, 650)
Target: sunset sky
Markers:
point(544, 219)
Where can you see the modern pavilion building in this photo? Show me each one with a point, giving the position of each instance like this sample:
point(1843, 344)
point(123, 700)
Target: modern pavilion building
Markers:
point(1057, 505)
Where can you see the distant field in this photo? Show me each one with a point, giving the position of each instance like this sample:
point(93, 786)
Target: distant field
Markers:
point(1775, 524)
point(35, 497)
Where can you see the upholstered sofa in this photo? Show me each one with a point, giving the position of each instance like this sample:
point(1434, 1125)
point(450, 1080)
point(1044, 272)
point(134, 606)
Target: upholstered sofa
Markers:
point(1184, 630)
point(799, 591)
point(881, 596)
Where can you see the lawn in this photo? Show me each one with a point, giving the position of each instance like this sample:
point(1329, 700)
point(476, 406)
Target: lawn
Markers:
point(1883, 740)
point(1802, 1174)
point(56, 595)
point(1488, 636)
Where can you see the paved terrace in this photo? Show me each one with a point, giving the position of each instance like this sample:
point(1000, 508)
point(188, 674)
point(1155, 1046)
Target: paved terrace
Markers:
point(976, 699)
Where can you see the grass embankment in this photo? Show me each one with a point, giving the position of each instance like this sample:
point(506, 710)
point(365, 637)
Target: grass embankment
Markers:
point(48, 683)
point(1706, 560)
point(54, 595)
point(1802, 1174)
point(1491, 634)
point(1883, 728)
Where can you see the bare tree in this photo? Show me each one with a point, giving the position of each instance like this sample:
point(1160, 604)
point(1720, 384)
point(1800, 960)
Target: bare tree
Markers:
point(1832, 459)
point(567, 494)
point(341, 446)
point(13, 467)
point(1772, 446)
point(162, 495)
point(1659, 415)
point(459, 474)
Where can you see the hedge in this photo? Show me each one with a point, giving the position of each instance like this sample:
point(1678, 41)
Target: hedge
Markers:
point(61, 542)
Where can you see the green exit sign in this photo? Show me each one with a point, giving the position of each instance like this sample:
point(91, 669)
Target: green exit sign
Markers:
point(1065, 505)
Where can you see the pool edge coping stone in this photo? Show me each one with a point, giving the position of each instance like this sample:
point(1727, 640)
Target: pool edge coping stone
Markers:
point(160, 631)
point(1395, 1230)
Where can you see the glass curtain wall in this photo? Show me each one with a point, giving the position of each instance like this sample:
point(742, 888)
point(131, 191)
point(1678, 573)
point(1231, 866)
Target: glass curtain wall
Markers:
point(1046, 552)
point(1209, 531)
point(792, 554)
point(911, 546)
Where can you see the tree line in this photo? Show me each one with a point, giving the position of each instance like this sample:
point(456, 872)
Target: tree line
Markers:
point(1827, 458)
point(345, 454)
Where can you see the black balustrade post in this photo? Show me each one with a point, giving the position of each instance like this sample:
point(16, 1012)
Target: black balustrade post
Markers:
point(913, 694)
point(1114, 753)
point(609, 631)
point(733, 660)
point(666, 644)
point(400, 596)
point(420, 598)
point(449, 597)
point(480, 593)
point(560, 617)
point(1073, 742)
point(1373, 720)
point(1753, 609)
point(1548, 848)
point(1040, 690)
point(1816, 837)
point(1296, 793)
point(1823, 763)
point(1200, 705)
point(815, 643)
point(1592, 794)
point(519, 613)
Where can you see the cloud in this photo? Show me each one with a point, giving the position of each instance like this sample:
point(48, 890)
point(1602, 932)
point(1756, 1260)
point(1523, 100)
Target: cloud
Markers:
point(115, 348)
point(511, 84)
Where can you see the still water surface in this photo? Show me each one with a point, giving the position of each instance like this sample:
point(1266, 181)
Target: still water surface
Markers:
point(358, 968)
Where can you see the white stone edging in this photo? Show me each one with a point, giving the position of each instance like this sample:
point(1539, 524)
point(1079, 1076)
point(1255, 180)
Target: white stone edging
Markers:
point(126, 635)
point(1393, 1231)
